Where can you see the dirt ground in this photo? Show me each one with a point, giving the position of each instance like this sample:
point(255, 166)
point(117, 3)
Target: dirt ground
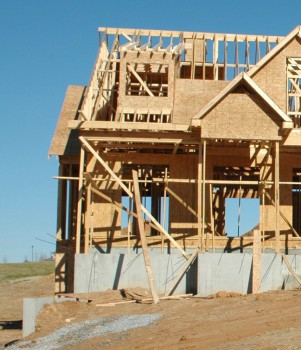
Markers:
point(224, 321)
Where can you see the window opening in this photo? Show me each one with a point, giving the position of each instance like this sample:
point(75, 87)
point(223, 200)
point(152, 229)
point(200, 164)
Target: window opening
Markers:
point(235, 206)
point(153, 76)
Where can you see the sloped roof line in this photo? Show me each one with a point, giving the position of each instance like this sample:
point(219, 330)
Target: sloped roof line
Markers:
point(266, 58)
point(242, 77)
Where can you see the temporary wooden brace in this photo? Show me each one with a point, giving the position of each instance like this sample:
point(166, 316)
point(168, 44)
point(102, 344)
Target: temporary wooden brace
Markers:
point(256, 263)
point(80, 200)
point(131, 69)
point(290, 268)
point(94, 189)
point(147, 261)
point(130, 194)
point(118, 205)
point(182, 271)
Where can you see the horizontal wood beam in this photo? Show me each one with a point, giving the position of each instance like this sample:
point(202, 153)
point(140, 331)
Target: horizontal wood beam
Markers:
point(189, 35)
point(103, 125)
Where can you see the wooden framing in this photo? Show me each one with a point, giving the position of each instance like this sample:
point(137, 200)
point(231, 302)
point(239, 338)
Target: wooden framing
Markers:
point(143, 238)
point(208, 117)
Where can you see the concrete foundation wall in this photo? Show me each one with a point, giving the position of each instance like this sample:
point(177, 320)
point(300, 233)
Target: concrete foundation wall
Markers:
point(233, 273)
point(210, 273)
point(99, 272)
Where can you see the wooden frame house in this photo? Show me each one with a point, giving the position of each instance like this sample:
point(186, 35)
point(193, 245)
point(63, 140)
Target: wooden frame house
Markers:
point(201, 118)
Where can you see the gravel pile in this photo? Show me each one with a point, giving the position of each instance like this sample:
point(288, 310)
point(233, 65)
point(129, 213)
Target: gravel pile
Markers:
point(77, 333)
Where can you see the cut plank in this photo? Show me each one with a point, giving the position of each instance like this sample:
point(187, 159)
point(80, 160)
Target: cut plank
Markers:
point(256, 263)
point(143, 238)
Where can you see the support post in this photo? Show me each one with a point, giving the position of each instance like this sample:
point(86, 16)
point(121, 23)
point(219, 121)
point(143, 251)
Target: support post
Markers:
point(61, 206)
point(256, 274)
point(200, 172)
point(88, 220)
point(80, 200)
point(143, 238)
point(276, 195)
point(130, 225)
point(164, 209)
point(204, 194)
point(211, 215)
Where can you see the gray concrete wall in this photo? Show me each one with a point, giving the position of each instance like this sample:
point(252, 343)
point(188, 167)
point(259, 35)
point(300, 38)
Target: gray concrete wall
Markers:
point(210, 273)
point(99, 272)
point(31, 309)
point(233, 273)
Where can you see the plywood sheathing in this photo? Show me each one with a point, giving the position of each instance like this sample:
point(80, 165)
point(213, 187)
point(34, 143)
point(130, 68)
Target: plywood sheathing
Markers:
point(272, 76)
point(65, 141)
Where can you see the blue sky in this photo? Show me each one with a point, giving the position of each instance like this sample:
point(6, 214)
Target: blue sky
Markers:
point(47, 45)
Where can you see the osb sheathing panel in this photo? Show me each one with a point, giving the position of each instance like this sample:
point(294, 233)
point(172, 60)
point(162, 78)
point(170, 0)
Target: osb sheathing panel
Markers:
point(65, 141)
point(192, 95)
point(149, 102)
point(272, 77)
point(241, 116)
point(181, 220)
point(105, 218)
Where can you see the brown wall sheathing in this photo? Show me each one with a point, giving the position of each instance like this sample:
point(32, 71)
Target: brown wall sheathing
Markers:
point(272, 77)
point(241, 116)
point(192, 95)
point(65, 141)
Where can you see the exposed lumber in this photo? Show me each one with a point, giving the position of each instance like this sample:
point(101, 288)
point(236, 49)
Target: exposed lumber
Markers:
point(136, 139)
point(256, 262)
point(80, 201)
point(204, 193)
point(182, 272)
point(186, 34)
point(212, 223)
point(291, 269)
point(113, 125)
point(95, 190)
point(199, 197)
point(171, 297)
point(61, 207)
point(143, 238)
point(132, 70)
point(276, 196)
point(164, 208)
point(130, 194)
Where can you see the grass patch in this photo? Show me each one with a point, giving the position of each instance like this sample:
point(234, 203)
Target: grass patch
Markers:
point(10, 272)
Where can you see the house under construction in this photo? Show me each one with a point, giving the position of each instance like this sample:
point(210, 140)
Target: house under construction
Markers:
point(174, 129)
